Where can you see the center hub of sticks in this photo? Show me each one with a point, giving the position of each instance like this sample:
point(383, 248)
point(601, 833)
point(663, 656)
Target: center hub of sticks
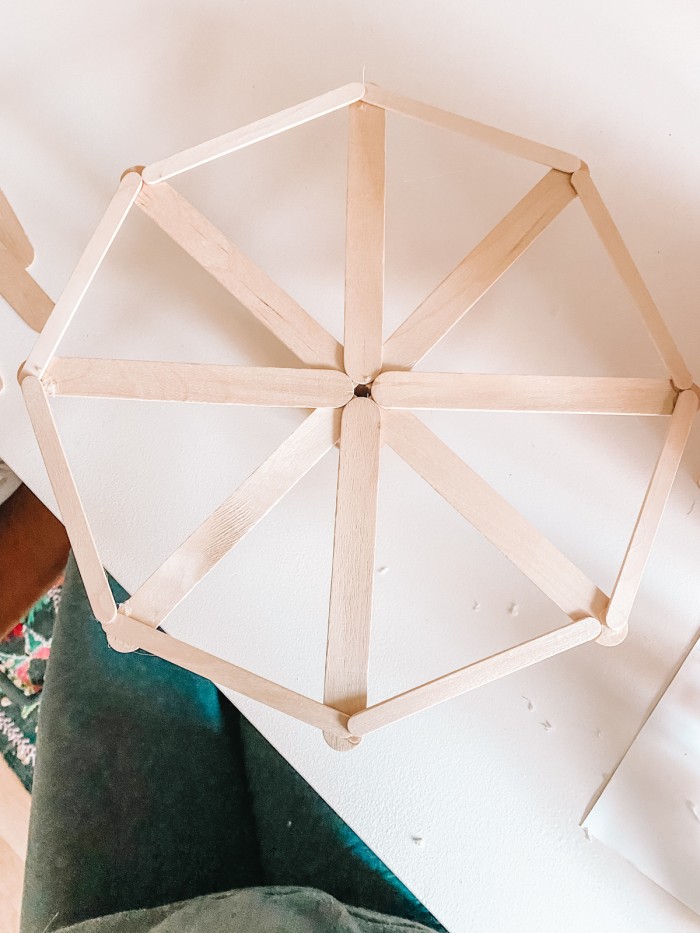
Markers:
point(363, 391)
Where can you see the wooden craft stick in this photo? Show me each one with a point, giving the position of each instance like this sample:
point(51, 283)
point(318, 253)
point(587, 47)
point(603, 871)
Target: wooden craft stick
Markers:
point(255, 290)
point(234, 518)
point(629, 578)
point(253, 133)
point(364, 251)
point(475, 275)
point(82, 276)
point(490, 514)
point(352, 578)
point(12, 235)
point(489, 135)
point(486, 392)
point(68, 499)
point(21, 292)
point(474, 675)
point(229, 675)
point(198, 382)
point(628, 272)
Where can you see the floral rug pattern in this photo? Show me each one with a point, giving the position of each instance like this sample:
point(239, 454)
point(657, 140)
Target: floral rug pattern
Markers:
point(24, 653)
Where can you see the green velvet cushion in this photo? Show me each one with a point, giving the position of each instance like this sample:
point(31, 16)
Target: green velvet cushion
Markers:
point(255, 910)
point(151, 789)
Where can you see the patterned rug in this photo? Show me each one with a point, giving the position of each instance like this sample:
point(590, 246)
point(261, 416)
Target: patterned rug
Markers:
point(23, 657)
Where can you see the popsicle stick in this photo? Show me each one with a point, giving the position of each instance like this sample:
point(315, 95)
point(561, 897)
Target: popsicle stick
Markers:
point(628, 581)
point(21, 292)
point(82, 275)
point(255, 290)
point(489, 135)
point(364, 252)
point(628, 272)
point(473, 277)
point(474, 675)
point(490, 514)
point(229, 675)
point(234, 518)
point(486, 392)
point(352, 578)
point(12, 234)
point(68, 499)
point(253, 133)
point(198, 382)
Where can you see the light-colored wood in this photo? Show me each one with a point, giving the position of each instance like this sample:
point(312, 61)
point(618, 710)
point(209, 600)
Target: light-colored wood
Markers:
point(15, 802)
point(230, 675)
point(490, 514)
point(352, 577)
point(364, 251)
point(473, 277)
point(68, 499)
point(627, 585)
point(13, 236)
point(628, 272)
point(489, 135)
point(255, 290)
point(22, 292)
point(253, 133)
point(234, 518)
point(486, 392)
point(198, 382)
point(11, 880)
point(82, 276)
point(474, 675)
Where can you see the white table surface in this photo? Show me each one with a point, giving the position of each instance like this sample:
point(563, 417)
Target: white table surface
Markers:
point(494, 788)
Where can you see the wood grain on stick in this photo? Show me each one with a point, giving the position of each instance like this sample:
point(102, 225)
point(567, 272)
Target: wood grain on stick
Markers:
point(628, 272)
point(22, 292)
point(198, 382)
point(490, 514)
point(477, 272)
point(69, 502)
point(474, 675)
point(489, 135)
point(82, 275)
point(352, 578)
point(486, 392)
point(13, 236)
point(364, 251)
point(14, 814)
point(235, 517)
point(628, 581)
point(253, 133)
point(239, 275)
point(226, 674)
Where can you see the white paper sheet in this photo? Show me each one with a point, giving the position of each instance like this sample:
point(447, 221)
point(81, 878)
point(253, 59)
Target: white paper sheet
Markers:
point(650, 811)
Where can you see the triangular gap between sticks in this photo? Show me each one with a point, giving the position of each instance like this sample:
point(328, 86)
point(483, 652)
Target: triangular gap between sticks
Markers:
point(474, 601)
point(179, 462)
point(445, 193)
point(524, 456)
point(283, 208)
point(253, 289)
point(563, 302)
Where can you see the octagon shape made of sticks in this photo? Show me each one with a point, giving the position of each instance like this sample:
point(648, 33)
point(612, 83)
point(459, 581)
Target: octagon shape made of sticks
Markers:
point(362, 394)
